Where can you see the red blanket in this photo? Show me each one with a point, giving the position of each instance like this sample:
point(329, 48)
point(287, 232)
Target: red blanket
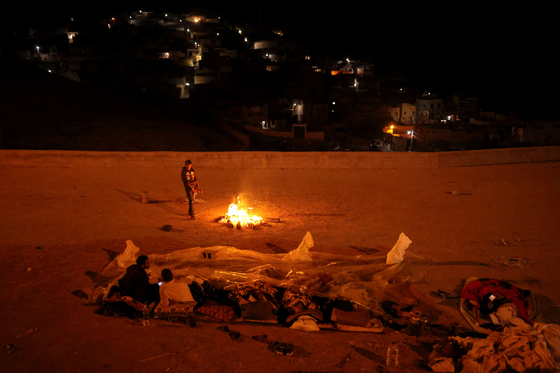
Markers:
point(477, 289)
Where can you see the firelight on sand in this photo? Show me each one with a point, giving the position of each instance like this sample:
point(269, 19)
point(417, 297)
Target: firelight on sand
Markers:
point(238, 216)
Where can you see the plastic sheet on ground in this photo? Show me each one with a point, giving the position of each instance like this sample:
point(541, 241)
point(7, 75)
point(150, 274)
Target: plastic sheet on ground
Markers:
point(359, 278)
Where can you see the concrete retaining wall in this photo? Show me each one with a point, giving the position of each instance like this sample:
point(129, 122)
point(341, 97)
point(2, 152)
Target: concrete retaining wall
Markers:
point(499, 156)
point(278, 160)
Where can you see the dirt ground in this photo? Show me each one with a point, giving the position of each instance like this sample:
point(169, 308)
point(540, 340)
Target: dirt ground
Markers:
point(62, 225)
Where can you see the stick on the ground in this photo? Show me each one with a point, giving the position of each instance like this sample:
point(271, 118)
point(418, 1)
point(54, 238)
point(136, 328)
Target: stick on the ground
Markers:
point(155, 357)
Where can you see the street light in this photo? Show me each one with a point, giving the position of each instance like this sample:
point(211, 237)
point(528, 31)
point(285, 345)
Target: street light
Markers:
point(411, 133)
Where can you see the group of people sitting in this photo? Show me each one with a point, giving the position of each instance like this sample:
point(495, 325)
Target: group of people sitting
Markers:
point(137, 285)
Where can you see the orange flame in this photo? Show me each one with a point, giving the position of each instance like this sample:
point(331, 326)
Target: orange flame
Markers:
point(239, 217)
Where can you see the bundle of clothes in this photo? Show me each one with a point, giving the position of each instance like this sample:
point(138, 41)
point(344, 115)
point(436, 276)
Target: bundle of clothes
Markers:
point(515, 336)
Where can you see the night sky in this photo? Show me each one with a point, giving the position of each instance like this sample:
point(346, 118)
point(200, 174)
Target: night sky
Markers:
point(507, 56)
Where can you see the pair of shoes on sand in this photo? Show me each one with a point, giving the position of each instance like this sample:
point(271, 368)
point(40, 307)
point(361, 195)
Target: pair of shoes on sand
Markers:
point(234, 335)
point(260, 338)
point(281, 348)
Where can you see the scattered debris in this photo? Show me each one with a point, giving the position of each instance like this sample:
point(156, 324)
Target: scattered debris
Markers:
point(11, 348)
point(513, 262)
point(167, 228)
point(344, 360)
point(457, 193)
point(155, 357)
point(27, 332)
point(443, 295)
point(368, 354)
point(502, 242)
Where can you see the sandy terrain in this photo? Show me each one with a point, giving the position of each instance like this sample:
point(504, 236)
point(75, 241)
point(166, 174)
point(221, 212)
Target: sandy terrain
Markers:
point(61, 226)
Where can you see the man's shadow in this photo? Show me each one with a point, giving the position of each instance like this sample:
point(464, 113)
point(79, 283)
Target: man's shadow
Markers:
point(94, 276)
point(173, 203)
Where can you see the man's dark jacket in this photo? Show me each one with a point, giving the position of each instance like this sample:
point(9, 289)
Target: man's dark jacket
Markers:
point(135, 283)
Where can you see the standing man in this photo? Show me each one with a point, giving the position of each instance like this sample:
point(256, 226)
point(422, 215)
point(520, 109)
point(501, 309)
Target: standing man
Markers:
point(191, 185)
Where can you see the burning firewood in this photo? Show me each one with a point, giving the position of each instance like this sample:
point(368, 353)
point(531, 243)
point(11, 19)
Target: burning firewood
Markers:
point(238, 217)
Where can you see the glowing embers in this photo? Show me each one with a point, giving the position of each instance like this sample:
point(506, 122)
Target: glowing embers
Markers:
point(238, 216)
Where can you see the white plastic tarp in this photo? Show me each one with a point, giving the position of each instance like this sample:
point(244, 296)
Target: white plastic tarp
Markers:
point(360, 278)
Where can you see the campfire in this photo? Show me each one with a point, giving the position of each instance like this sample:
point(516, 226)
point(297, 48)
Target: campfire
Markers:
point(237, 216)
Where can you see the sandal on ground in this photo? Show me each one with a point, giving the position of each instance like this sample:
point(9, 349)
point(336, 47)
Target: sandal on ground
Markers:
point(260, 338)
point(279, 348)
point(288, 349)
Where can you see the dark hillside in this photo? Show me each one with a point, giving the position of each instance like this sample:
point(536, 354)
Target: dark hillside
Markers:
point(48, 112)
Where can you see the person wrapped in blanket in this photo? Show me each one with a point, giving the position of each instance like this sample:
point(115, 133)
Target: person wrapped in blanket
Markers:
point(497, 304)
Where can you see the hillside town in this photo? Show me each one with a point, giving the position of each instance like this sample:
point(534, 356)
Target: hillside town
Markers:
point(264, 88)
